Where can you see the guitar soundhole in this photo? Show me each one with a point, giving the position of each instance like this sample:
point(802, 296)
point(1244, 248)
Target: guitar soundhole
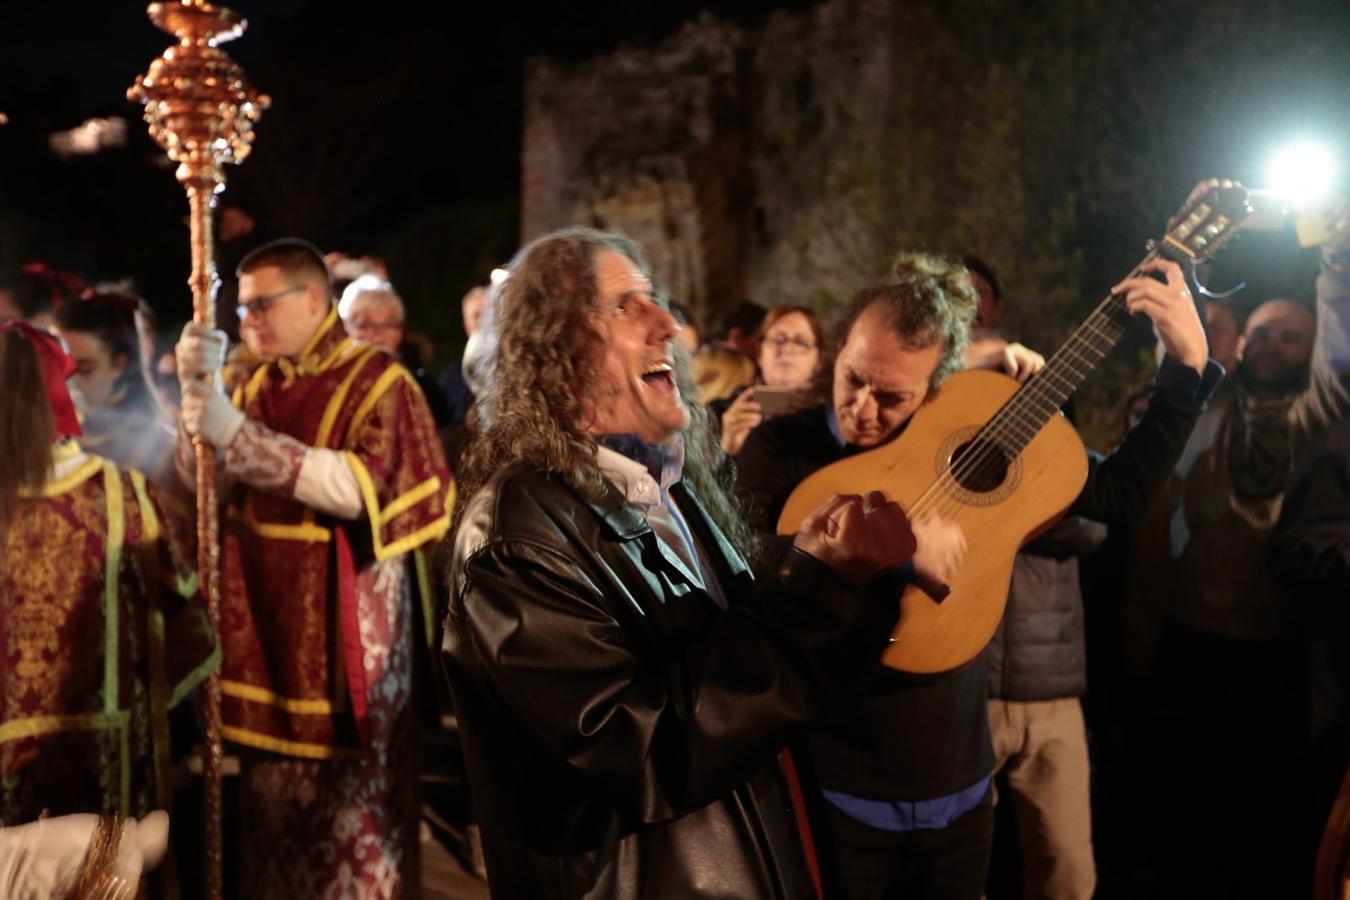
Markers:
point(979, 466)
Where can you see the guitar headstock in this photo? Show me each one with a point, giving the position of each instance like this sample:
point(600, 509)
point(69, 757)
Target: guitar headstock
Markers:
point(1206, 223)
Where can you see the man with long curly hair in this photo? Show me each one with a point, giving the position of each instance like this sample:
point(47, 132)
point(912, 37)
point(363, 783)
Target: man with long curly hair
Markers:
point(622, 682)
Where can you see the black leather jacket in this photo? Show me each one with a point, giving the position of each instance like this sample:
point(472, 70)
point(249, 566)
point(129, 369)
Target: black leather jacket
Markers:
point(619, 727)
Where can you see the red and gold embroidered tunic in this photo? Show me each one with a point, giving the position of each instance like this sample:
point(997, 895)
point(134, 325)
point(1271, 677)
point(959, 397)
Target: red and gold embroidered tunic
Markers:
point(96, 644)
point(298, 644)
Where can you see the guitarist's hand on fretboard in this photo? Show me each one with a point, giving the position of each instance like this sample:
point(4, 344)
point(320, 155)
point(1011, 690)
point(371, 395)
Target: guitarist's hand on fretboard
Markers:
point(1168, 303)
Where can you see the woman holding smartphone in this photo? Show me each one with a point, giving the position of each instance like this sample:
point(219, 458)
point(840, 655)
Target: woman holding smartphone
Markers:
point(789, 353)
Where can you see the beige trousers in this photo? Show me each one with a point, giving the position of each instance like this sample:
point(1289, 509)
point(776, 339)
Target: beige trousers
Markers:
point(1042, 745)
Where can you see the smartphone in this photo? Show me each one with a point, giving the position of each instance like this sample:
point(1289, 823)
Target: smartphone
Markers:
point(774, 401)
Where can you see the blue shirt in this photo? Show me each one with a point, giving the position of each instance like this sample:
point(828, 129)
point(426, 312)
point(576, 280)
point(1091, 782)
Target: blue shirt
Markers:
point(910, 815)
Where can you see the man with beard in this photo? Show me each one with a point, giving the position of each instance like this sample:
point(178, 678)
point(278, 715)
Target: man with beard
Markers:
point(622, 683)
point(1228, 667)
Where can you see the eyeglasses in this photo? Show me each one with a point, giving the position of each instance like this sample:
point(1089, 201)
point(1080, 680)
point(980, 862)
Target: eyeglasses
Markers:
point(367, 325)
point(781, 342)
point(258, 306)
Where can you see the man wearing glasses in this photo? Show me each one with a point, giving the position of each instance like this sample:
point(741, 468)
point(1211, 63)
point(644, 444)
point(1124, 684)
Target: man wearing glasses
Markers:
point(332, 474)
point(373, 313)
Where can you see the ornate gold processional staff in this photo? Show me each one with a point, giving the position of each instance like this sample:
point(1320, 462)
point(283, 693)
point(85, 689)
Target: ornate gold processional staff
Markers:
point(202, 111)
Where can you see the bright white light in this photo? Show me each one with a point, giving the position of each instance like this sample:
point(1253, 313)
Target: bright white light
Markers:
point(498, 276)
point(1303, 172)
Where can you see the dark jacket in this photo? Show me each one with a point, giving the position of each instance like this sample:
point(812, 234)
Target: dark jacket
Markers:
point(909, 737)
point(1311, 542)
point(1311, 552)
point(914, 738)
point(1039, 650)
point(619, 728)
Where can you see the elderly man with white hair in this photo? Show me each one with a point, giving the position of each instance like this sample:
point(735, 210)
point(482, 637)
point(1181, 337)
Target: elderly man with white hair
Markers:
point(373, 314)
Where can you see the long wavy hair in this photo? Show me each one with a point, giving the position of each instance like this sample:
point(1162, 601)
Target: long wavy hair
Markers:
point(927, 299)
point(541, 338)
point(26, 427)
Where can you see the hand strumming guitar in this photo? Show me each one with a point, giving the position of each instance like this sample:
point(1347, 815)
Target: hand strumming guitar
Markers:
point(941, 550)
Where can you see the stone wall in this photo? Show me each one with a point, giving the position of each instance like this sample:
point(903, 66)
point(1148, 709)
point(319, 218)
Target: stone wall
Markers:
point(822, 91)
point(718, 150)
point(649, 142)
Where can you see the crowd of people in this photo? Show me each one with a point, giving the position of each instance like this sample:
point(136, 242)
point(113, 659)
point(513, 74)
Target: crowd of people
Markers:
point(565, 550)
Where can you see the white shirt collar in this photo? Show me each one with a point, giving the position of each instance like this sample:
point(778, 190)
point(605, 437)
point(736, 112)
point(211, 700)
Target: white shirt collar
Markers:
point(632, 478)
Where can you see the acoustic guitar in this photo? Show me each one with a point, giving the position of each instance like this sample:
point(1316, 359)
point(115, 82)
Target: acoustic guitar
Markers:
point(998, 458)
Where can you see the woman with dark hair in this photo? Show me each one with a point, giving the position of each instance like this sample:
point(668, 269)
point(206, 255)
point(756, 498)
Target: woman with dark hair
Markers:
point(790, 344)
point(97, 642)
point(36, 292)
point(121, 416)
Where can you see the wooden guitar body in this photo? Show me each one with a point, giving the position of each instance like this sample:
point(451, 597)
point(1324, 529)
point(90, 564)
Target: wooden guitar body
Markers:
point(999, 459)
point(999, 514)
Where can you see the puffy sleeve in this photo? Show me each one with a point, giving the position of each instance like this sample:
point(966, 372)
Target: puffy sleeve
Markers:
point(392, 447)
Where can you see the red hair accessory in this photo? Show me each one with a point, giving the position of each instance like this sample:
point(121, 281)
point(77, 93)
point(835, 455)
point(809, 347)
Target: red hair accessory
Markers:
point(57, 366)
point(62, 285)
point(127, 303)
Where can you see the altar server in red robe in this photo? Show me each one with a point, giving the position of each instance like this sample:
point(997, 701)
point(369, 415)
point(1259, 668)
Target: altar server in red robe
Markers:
point(331, 475)
point(101, 628)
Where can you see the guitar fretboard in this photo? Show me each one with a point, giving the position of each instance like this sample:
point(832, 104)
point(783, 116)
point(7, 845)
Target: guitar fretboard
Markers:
point(1013, 427)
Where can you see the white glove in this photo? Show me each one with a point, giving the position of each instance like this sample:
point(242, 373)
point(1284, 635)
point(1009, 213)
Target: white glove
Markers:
point(206, 411)
point(37, 858)
point(200, 351)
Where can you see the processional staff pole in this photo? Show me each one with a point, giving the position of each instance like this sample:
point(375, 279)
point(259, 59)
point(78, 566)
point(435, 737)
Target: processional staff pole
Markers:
point(202, 111)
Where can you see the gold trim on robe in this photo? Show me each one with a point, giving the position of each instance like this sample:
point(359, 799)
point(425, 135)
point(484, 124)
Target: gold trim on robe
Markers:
point(287, 647)
point(93, 653)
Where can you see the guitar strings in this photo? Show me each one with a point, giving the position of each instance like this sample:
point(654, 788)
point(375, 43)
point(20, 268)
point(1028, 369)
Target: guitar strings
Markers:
point(1042, 388)
point(1002, 444)
point(989, 456)
point(992, 448)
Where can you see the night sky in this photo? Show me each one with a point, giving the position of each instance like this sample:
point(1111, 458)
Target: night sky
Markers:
point(395, 129)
